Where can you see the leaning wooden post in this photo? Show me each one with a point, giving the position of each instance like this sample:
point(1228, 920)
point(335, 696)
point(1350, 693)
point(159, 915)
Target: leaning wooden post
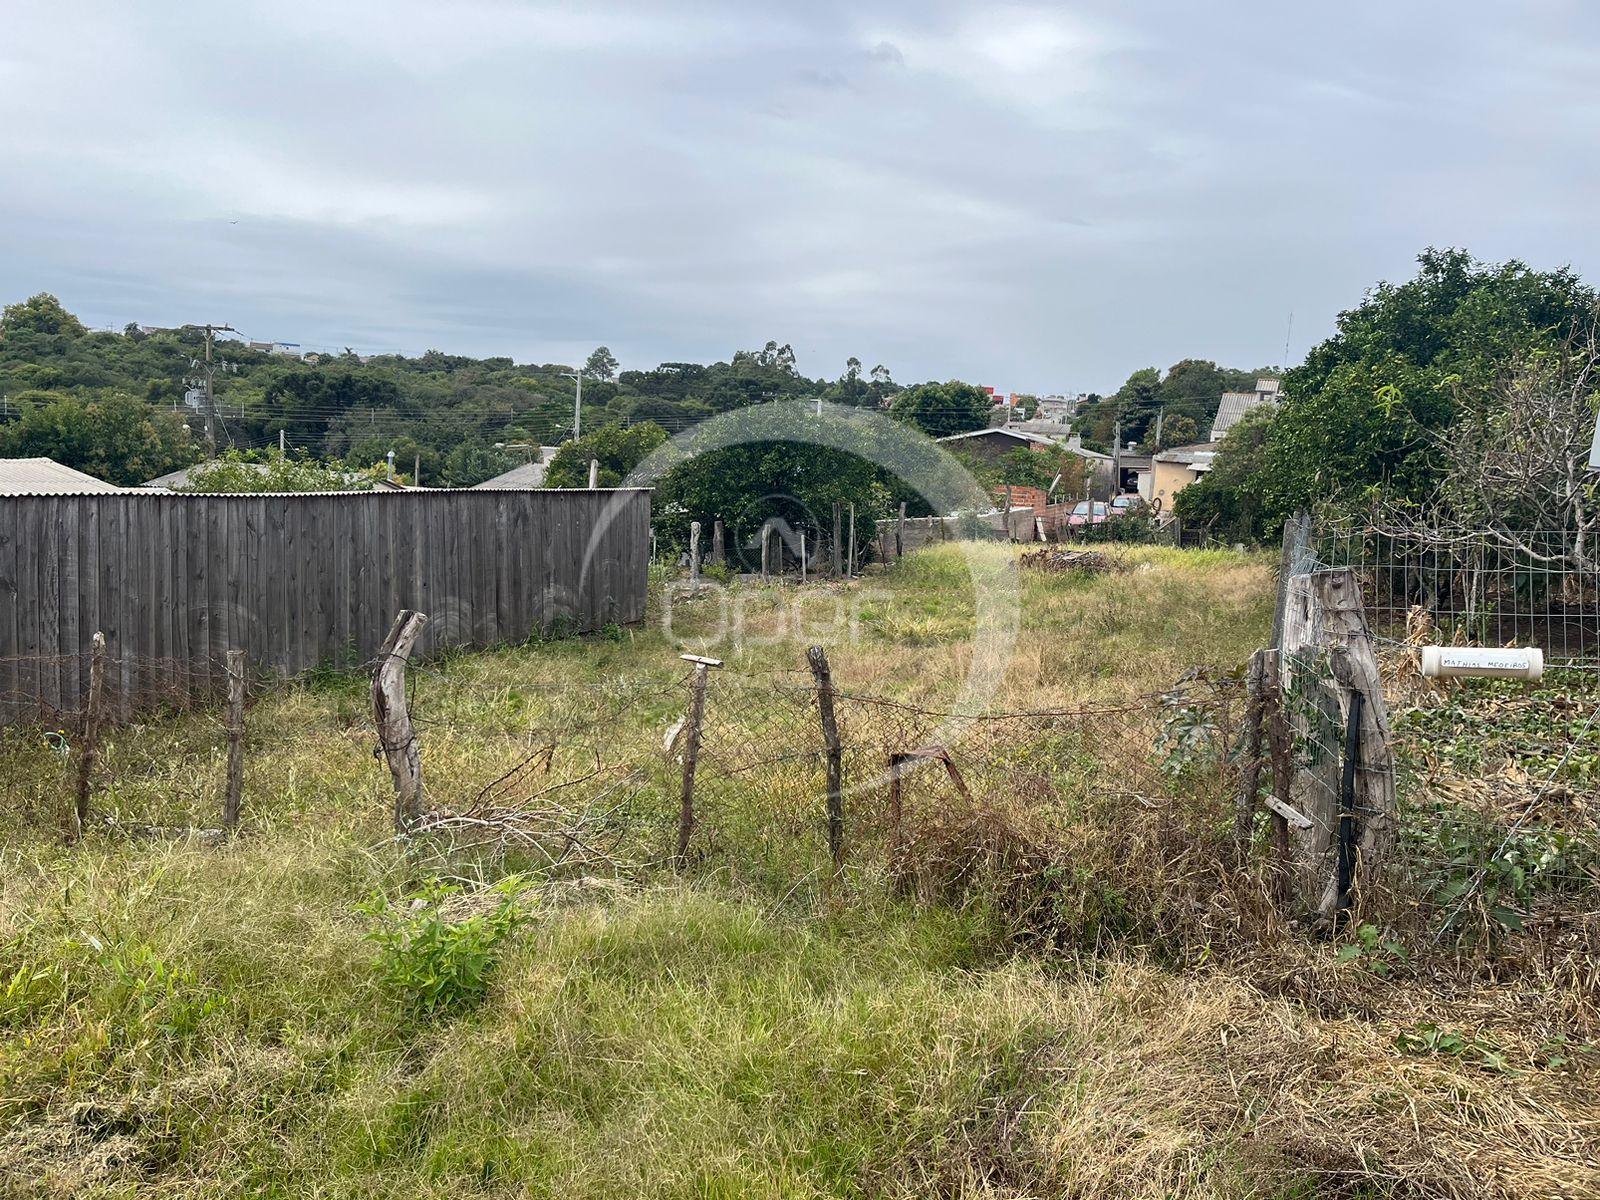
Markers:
point(89, 748)
point(397, 738)
point(694, 553)
point(900, 533)
point(818, 658)
point(852, 540)
point(1344, 642)
point(838, 534)
point(594, 473)
point(1250, 782)
point(230, 802)
point(718, 554)
point(691, 751)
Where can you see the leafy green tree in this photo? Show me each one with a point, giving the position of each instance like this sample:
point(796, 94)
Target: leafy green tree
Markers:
point(1134, 404)
point(1030, 468)
point(117, 438)
point(1361, 413)
point(850, 388)
point(618, 448)
point(747, 484)
point(470, 463)
point(602, 364)
point(941, 409)
point(1178, 431)
point(41, 314)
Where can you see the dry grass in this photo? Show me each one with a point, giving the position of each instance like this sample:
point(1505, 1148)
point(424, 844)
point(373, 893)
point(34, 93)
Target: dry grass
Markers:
point(1083, 1002)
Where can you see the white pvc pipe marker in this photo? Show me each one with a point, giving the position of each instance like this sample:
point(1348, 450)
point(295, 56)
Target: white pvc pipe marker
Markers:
point(1448, 662)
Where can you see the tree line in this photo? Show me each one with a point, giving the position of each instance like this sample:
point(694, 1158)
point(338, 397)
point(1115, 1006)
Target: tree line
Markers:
point(113, 404)
point(1466, 393)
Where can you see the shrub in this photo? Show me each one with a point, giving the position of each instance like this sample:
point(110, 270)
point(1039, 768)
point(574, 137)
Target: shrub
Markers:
point(437, 950)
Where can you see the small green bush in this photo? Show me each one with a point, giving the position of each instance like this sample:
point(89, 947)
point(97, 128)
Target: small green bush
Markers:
point(435, 957)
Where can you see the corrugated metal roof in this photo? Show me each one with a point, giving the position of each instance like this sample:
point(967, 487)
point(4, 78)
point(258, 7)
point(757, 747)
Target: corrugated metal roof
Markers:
point(175, 480)
point(1234, 405)
point(1037, 439)
point(1018, 434)
point(528, 475)
point(1201, 453)
point(46, 477)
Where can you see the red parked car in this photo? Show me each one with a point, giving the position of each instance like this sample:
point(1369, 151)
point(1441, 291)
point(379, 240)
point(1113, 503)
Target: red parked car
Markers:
point(1088, 512)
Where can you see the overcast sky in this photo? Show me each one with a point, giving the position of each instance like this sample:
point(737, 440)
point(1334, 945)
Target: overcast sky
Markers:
point(1041, 198)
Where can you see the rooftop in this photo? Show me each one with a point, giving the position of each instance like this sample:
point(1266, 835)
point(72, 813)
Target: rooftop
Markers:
point(46, 477)
point(1197, 456)
point(1235, 404)
point(528, 475)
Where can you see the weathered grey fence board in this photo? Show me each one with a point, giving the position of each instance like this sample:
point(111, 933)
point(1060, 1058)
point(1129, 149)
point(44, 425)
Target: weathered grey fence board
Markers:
point(176, 581)
point(8, 616)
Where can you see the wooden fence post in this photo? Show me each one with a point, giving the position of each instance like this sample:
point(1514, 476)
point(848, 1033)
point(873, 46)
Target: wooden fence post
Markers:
point(397, 738)
point(900, 533)
point(1250, 783)
point(1282, 781)
point(1347, 803)
point(897, 812)
point(89, 749)
point(718, 552)
point(838, 535)
point(691, 751)
point(594, 473)
point(1345, 644)
point(818, 658)
point(852, 567)
point(1296, 539)
point(230, 803)
point(694, 553)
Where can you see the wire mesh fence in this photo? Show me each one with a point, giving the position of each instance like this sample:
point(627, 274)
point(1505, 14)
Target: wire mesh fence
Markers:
point(1497, 783)
point(1484, 586)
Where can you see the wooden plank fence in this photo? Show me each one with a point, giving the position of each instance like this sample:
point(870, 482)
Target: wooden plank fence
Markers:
point(295, 581)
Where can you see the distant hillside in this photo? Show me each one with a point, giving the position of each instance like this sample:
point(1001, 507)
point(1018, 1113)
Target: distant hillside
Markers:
point(114, 403)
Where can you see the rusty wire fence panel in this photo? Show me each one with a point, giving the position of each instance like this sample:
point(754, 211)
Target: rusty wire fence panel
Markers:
point(1497, 782)
point(590, 779)
point(63, 742)
point(1489, 587)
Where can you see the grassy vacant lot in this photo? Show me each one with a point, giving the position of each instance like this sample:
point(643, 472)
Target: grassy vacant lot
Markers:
point(182, 1018)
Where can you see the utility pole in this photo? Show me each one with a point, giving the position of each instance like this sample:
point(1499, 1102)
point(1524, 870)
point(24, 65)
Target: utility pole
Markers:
point(211, 391)
point(1160, 413)
point(577, 404)
point(1116, 461)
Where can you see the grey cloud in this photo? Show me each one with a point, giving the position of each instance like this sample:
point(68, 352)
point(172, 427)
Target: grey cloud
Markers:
point(1033, 196)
